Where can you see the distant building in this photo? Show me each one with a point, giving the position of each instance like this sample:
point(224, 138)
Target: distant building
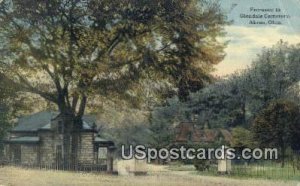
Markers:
point(190, 133)
point(37, 140)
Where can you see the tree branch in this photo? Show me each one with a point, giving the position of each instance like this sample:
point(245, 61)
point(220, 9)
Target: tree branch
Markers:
point(82, 106)
point(24, 85)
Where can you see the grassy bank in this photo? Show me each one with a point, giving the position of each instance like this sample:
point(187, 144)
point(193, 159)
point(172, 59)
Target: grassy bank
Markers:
point(160, 176)
point(272, 171)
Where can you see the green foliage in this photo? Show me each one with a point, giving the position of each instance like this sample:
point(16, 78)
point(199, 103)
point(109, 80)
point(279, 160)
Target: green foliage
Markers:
point(202, 165)
point(242, 138)
point(206, 164)
point(163, 120)
point(66, 51)
point(5, 114)
point(236, 100)
point(277, 125)
point(129, 134)
point(4, 122)
point(273, 73)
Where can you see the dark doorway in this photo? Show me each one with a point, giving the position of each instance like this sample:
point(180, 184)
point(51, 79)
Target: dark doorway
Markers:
point(16, 154)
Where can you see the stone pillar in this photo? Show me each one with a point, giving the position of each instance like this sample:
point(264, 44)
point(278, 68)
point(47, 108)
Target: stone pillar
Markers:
point(110, 163)
point(110, 159)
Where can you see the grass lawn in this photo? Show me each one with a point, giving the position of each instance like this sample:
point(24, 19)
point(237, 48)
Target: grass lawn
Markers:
point(158, 176)
point(272, 171)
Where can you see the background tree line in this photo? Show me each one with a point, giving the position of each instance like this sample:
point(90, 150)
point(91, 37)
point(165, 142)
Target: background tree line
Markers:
point(260, 105)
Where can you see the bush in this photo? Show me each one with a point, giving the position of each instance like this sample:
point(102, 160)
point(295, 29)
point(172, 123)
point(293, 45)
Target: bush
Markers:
point(202, 165)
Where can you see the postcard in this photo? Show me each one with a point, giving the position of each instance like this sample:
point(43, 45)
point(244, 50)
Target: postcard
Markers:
point(160, 92)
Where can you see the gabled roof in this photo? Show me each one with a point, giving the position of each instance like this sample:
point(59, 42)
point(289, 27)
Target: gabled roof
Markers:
point(188, 131)
point(35, 121)
point(42, 121)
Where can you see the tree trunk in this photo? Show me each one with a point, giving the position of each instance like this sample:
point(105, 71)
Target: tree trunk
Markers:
point(67, 125)
point(283, 156)
point(72, 124)
point(76, 142)
point(71, 140)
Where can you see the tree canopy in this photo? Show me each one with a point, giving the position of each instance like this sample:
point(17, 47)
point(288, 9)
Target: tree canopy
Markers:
point(237, 99)
point(277, 125)
point(68, 50)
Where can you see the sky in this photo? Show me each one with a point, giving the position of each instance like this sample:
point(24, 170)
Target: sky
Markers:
point(247, 40)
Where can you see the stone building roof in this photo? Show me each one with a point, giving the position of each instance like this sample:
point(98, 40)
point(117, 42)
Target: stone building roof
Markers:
point(42, 120)
point(189, 132)
point(34, 122)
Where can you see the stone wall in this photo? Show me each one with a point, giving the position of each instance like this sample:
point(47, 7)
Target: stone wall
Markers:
point(29, 154)
point(49, 142)
point(13, 153)
point(47, 151)
point(86, 148)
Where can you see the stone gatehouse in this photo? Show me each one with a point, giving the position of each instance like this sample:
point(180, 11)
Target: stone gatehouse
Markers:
point(37, 140)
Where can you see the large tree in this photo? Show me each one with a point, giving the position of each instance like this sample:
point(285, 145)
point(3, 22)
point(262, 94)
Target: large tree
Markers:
point(277, 125)
point(5, 94)
point(67, 50)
